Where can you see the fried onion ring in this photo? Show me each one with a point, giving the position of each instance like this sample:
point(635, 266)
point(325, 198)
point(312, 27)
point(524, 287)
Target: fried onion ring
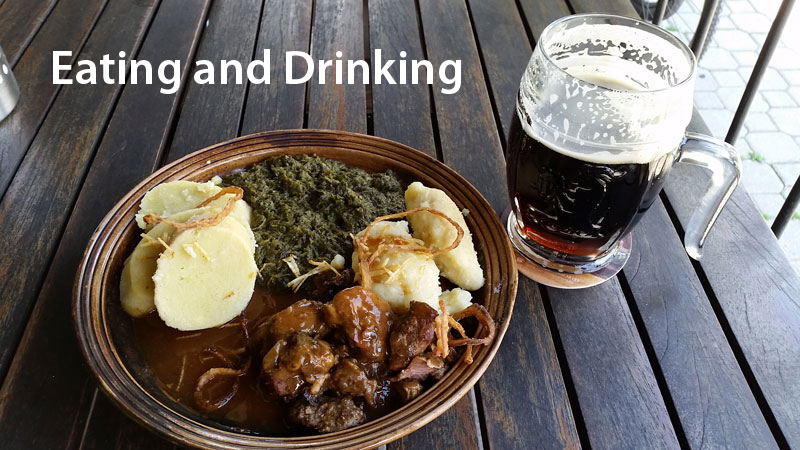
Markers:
point(366, 259)
point(238, 194)
point(209, 376)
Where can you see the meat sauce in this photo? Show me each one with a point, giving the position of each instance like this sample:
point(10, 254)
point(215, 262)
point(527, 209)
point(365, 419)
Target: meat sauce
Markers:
point(177, 359)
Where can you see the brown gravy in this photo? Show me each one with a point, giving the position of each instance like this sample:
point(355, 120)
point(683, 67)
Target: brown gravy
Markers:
point(177, 359)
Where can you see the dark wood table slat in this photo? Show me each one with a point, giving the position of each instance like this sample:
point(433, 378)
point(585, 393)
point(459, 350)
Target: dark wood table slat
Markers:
point(619, 397)
point(65, 30)
point(285, 26)
point(19, 22)
point(544, 418)
point(47, 373)
point(465, 119)
point(505, 49)
point(710, 394)
point(338, 26)
point(539, 14)
point(210, 112)
point(401, 112)
point(757, 291)
point(109, 428)
point(37, 203)
point(639, 394)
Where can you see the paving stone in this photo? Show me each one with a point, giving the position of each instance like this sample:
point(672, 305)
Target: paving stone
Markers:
point(759, 121)
point(785, 58)
point(752, 22)
point(725, 23)
point(707, 100)
point(771, 81)
point(746, 57)
point(787, 119)
point(788, 172)
point(794, 92)
point(738, 6)
point(760, 178)
point(728, 78)
point(768, 204)
point(718, 59)
point(743, 148)
point(735, 39)
point(790, 243)
point(792, 77)
point(704, 81)
point(774, 146)
point(779, 99)
point(759, 38)
point(718, 121)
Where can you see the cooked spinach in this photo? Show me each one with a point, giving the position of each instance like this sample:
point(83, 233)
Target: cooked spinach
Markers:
point(308, 205)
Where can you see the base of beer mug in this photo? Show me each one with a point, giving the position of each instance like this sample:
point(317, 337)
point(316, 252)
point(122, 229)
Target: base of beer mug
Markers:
point(562, 275)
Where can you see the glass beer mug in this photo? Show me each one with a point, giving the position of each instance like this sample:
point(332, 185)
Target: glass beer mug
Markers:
point(600, 120)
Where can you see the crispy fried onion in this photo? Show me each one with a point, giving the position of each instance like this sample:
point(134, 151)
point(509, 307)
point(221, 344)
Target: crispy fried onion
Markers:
point(442, 329)
point(367, 257)
point(237, 192)
point(205, 400)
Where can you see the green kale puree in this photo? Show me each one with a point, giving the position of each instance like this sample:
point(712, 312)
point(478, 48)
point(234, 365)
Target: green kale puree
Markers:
point(307, 205)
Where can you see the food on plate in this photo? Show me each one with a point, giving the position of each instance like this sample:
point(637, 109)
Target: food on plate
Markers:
point(399, 275)
point(207, 278)
point(270, 329)
point(307, 206)
point(461, 265)
point(194, 266)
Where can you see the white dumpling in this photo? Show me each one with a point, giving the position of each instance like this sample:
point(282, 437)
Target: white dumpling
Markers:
point(169, 198)
point(459, 265)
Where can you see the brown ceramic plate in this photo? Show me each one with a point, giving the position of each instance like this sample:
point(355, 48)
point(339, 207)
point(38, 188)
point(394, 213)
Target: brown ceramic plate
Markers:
point(106, 332)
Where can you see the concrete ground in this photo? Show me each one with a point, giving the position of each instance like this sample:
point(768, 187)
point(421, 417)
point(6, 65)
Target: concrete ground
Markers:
point(769, 143)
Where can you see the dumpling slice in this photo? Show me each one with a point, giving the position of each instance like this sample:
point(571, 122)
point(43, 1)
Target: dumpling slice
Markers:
point(399, 276)
point(207, 279)
point(169, 198)
point(136, 285)
point(459, 265)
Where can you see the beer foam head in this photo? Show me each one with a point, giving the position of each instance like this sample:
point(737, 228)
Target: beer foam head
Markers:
point(607, 89)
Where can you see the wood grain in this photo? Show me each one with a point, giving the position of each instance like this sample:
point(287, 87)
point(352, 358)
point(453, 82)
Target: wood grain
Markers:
point(285, 26)
point(401, 112)
point(711, 396)
point(539, 14)
point(65, 30)
point(210, 112)
point(47, 375)
point(618, 395)
point(38, 201)
point(505, 49)
point(757, 291)
point(472, 145)
point(19, 22)
point(467, 129)
point(338, 26)
point(524, 400)
point(109, 428)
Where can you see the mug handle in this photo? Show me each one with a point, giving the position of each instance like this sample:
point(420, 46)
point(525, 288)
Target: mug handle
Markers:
point(722, 160)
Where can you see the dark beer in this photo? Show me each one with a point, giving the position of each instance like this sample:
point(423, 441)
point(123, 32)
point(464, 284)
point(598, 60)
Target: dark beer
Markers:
point(577, 207)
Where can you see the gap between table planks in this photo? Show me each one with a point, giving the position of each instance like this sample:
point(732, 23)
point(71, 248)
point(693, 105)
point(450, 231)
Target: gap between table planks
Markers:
point(47, 380)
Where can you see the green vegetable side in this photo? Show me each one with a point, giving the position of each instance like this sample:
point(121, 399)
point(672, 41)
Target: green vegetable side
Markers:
point(308, 205)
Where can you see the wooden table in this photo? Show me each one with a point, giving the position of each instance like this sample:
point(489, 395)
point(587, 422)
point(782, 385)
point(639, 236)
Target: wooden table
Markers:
point(672, 353)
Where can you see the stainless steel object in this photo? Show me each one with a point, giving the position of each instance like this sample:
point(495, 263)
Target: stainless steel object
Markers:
point(9, 90)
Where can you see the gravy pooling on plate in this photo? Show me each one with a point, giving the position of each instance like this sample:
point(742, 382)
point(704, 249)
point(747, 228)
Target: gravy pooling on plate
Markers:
point(356, 342)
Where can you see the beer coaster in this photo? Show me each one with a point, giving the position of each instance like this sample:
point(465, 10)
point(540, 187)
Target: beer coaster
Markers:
point(566, 280)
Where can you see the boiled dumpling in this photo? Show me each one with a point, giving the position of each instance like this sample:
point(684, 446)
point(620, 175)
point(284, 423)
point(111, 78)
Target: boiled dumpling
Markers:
point(459, 265)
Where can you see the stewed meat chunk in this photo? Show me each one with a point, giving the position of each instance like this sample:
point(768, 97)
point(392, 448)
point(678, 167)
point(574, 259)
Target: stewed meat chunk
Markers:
point(364, 318)
point(331, 414)
point(349, 378)
point(302, 360)
point(411, 335)
point(422, 367)
point(304, 316)
point(408, 390)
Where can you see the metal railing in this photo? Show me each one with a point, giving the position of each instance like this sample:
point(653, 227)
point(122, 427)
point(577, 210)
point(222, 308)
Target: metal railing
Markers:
point(698, 42)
